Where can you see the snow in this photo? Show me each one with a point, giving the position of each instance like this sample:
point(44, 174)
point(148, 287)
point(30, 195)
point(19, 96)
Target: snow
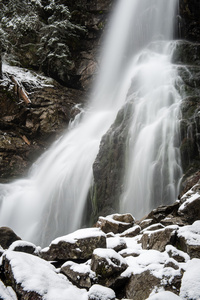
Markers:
point(7, 293)
point(98, 292)
point(190, 286)
point(24, 75)
point(191, 233)
point(21, 243)
point(35, 274)
point(108, 254)
point(110, 219)
point(78, 235)
point(192, 197)
point(113, 242)
point(164, 296)
point(79, 268)
point(174, 251)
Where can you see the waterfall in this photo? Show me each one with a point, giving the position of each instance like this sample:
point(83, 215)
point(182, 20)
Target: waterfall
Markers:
point(134, 66)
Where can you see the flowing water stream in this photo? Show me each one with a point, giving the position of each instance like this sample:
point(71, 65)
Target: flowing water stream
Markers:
point(135, 66)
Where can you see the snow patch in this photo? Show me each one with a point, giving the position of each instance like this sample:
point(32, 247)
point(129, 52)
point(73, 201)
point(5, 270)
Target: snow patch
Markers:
point(99, 292)
point(190, 286)
point(78, 235)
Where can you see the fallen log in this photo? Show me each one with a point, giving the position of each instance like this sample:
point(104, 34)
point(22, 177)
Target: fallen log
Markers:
point(20, 91)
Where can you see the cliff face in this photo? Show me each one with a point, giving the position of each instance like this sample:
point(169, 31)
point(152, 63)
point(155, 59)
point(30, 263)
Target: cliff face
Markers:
point(27, 129)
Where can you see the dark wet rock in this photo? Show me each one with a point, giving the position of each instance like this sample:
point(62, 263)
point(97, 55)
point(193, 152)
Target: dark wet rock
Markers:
point(7, 237)
point(27, 130)
point(109, 166)
point(189, 24)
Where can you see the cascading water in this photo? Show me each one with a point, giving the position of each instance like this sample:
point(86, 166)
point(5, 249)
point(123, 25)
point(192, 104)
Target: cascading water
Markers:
point(136, 67)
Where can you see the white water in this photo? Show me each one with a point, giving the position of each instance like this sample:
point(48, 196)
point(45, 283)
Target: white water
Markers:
point(134, 67)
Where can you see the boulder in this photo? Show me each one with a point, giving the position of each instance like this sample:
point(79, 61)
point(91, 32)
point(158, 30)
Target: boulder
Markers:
point(116, 243)
point(159, 238)
point(131, 232)
point(77, 245)
point(188, 239)
point(135, 288)
point(34, 278)
point(176, 254)
point(108, 265)
point(79, 274)
point(7, 237)
point(23, 246)
point(190, 204)
point(190, 287)
point(115, 223)
point(99, 292)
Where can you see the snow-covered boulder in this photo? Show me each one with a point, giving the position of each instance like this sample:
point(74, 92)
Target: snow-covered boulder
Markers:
point(99, 292)
point(190, 204)
point(165, 295)
point(151, 271)
point(131, 232)
point(116, 243)
point(77, 245)
point(176, 254)
point(34, 278)
point(116, 223)
point(23, 246)
point(108, 265)
point(158, 239)
point(79, 274)
point(190, 286)
point(188, 239)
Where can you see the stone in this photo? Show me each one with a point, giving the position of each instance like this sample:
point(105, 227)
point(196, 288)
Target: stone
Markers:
point(131, 232)
point(188, 239)
point(79, 274)
point(153, 227)
point(99, 292)
point(176, 254)
point(190, 281)
point(135, 288)
point(108, 265)
point(190, 204)
point(116, 243)
point(158, 239)
point(78, 245)
point(111, 223)
point(34, 278)
point(109, 165)
point(7, 237)
point(23, 246)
